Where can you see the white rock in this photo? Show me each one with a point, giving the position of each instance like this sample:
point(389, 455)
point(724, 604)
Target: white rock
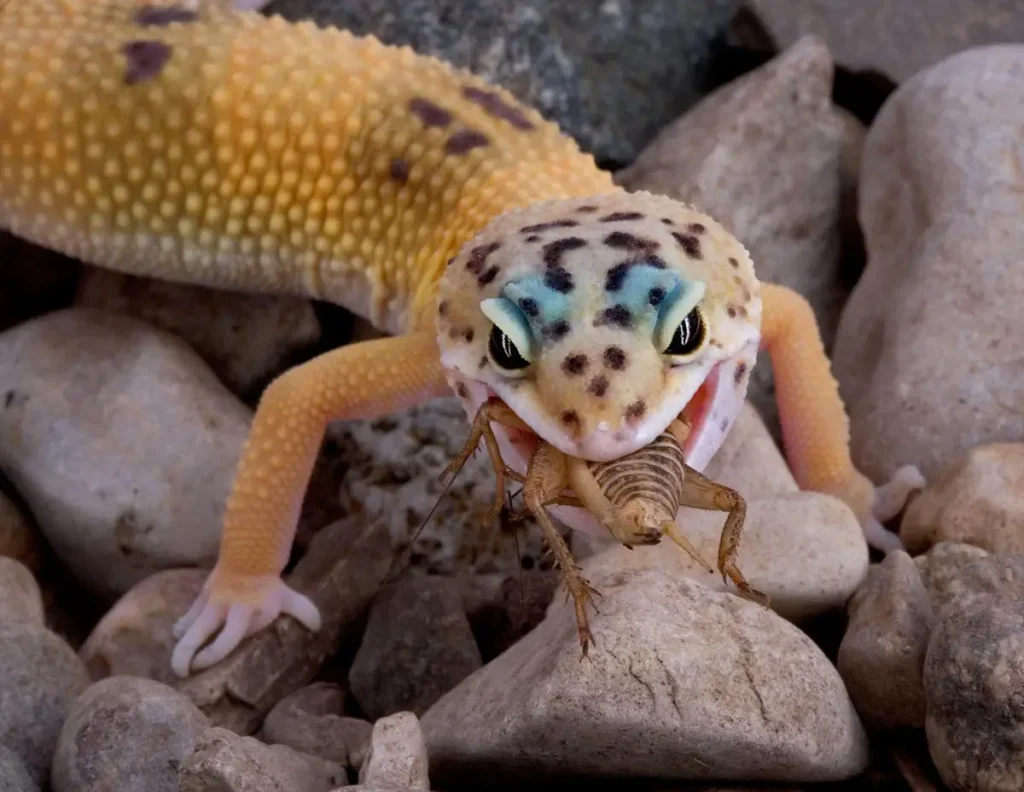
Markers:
point(121, 441)
point(684, 683)
point(398, 754)
point(930, 345)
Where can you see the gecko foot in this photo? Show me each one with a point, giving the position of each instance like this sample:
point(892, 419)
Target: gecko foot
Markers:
point(888, 501)
point(237, 608)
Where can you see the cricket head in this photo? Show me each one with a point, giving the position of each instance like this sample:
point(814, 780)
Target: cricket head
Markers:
point(600, 320)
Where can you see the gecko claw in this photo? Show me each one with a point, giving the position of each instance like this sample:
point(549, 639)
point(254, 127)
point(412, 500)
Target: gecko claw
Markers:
point(237, 609)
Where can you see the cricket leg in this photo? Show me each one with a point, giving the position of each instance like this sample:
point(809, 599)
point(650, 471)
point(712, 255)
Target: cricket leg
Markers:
point(497, 411)
point(700, 492)
point(546, 477)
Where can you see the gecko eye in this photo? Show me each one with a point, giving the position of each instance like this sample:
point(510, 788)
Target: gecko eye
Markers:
point(504, 354)
point(510, 346)
point(688, 337)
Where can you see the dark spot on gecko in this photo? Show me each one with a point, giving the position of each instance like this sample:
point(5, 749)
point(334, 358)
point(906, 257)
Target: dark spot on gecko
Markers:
point(450, 261)
point(731, 311)
point(553, 250)
point(746, 294)
point(655, 296)
point(465, 141)
point(667, 221)
point(461, 390)
point(598, 385)
point(623, 241)
point(733, 261)
point(724, 425)
point(146, 59)
point(532, 229)
point(442, 308)
point(558, 279)
point(155, 16)
point(399, 170)
point(9, 398)
point(483, 362)
point(616, 276)
point(478, 256)
point(689, 243)
point(696, 228)
point(465, 332)
point(636, 410)
point(556, 331)
point(587, 209)
point(617, 216)
point(529, 306)
point(487, 277)
point(429, 113)
point(532, 238)
point(617, 315)
point(575, 364)
point(494, 105)
point(741, 370)
point(614, 358)
point(571, 418)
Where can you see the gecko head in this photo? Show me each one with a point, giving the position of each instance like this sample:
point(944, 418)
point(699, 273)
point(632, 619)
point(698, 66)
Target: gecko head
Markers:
point(600, 320)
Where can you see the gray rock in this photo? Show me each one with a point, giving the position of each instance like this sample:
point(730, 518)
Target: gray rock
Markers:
point(398, 754)
point(897, 39)
point(684, 683)
point(940, 566)
point(929, 345)
point(976, 500)
point(311, 720)
point(341, 571)
point(974, 682)
point(122, 442)
point(882, 653)
point(392, 468)
point(762, 155)
point(18, 538)
point(21, 599)
point(13, 775)
point(417, 646)
point(1001, 575)
point(40, 678)
point(246, 338)
point(225, 762)
point(134, 637)
point(611, 73)
point(128, 734)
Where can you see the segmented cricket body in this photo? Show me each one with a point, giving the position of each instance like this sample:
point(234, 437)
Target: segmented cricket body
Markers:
point(645, 487)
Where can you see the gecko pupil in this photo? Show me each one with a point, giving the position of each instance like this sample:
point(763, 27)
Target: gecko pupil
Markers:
point(689, 335)
point(504, 353)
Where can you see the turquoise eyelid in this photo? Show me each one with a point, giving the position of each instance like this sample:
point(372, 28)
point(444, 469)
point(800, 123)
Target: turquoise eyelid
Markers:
point(510, 320)
point(679, 302)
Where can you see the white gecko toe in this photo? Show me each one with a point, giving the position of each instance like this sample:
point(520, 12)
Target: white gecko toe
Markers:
point(236, 617)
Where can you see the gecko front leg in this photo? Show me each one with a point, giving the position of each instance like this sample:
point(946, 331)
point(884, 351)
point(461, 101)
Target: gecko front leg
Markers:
point(245, 592)
point(815, 427)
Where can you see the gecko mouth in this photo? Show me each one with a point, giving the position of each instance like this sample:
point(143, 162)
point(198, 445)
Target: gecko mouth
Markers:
point(519, 445)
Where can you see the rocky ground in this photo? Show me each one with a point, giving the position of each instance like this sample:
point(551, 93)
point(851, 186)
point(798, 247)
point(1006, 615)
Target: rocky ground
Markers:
point(868, 155)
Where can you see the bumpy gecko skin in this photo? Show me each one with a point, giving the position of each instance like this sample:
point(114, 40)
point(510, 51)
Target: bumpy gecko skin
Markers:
point(192, 142)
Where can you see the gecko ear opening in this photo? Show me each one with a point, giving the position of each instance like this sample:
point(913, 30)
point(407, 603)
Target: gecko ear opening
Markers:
point(510, 346)
point(681, 330)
